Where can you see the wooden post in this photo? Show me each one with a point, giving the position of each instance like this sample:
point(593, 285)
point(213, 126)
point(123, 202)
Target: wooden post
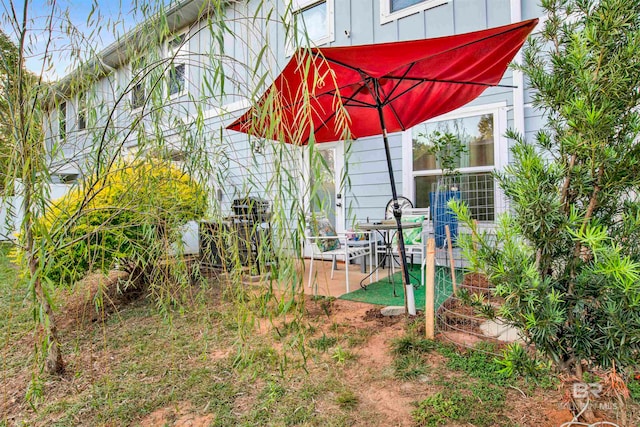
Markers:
point(429, 310)
point(452, 263)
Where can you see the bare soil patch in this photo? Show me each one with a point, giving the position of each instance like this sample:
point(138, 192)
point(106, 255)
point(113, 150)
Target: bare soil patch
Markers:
point(182, 415)
point(364, 389)
point(96, 297)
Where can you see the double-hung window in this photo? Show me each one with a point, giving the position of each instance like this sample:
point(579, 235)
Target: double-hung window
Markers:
point(313, 22)
point(81, 110)
point(177, 71)
point(62, 121)
point(138, 86)
point(479, 132)
point(395, 9)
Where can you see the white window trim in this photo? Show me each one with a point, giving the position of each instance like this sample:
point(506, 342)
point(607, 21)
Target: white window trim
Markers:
point(298, 6)
point(223, 110)
point(387, 16)
point(179, 58)
point(501, 150)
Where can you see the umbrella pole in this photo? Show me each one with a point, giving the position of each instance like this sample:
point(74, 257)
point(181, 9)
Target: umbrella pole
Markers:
point(409, 301)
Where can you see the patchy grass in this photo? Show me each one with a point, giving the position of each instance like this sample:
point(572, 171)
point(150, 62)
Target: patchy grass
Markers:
point(136, 367)
point(15, 319)
point(471, 388)
point(136, 363)
point(634, 390)
point(409, 366)
point(323, 343)
point(470, 393)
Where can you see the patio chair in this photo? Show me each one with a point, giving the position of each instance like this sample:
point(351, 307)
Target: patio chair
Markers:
point(416, 238)
point(327, 244)
point(382, 249)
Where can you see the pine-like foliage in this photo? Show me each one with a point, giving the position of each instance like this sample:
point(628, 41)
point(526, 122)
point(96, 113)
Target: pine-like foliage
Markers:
point(567, 258)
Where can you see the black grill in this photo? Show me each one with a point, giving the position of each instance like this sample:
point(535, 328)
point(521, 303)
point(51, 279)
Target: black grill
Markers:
point(251, 208)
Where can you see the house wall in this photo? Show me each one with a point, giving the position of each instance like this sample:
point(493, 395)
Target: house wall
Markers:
point(355, 22)
point(11, 210)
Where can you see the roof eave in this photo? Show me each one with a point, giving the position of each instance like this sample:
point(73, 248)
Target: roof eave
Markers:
point(177, 16)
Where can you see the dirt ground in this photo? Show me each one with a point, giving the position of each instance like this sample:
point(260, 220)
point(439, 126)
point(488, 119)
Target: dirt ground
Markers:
point(391, 399)
point(381, 398)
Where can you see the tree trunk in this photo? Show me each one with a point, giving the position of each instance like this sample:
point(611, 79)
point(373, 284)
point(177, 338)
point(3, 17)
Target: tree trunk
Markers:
point(582, 405)
point(54, 363)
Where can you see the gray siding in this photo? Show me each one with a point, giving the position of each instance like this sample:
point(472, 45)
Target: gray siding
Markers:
point(367, 167)
point(243, 171)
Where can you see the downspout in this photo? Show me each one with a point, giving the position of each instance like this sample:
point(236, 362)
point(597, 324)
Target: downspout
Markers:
point(518, 76)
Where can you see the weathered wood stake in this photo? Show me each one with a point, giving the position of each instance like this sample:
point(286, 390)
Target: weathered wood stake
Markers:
point(429, 310)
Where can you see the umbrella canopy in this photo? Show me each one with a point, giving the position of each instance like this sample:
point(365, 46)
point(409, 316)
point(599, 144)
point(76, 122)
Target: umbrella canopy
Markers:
point(413, 81)
point(328, 94)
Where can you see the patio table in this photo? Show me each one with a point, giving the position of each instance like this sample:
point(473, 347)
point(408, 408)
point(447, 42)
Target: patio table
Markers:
point(382, 228)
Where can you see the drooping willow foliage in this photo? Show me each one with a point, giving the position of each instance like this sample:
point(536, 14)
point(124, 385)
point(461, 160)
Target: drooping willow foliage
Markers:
point(164, 95)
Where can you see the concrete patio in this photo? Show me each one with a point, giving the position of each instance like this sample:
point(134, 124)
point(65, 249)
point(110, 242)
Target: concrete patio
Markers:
point(337, 286)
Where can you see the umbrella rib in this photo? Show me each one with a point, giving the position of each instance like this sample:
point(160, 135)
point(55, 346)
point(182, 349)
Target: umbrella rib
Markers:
point(352, 102)
point(388, 99)
point(330, 116)
point(317, 52)
point(386, 102)
point(457, 82)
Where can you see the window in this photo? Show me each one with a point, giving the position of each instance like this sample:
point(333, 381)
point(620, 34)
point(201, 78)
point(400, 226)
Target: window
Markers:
point(68, 178)
point(82, 112)
point(176, 79)
point(477, 133)
point(395, 9)
point(177, 73)
point(175, 44)
point(138, 91)
point(62, 121)
point(315, 19)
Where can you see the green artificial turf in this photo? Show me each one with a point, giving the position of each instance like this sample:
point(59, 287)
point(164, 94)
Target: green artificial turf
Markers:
point(381, 292)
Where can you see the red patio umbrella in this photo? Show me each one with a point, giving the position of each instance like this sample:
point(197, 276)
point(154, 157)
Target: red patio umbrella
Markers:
point(383, 88)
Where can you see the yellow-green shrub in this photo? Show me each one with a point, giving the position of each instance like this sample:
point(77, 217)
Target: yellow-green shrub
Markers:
point(130, 217)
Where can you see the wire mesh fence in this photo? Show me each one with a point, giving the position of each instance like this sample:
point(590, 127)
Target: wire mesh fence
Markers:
point(460, 317)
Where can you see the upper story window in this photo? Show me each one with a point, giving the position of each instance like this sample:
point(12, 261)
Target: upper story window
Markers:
point(315, 19)
point(175, 44)
point(395, 9)
point(82, 112)
point(138, 89)
point(177, 73)
point(177, 79)
point(62, 121)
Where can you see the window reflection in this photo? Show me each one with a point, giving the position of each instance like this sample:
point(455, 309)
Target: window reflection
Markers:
point(313, 20)
point(476, 132)
point(474, 166)
point(397, 5)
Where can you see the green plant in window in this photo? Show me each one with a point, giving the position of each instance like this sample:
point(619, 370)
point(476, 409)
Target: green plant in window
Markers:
point(447, 148)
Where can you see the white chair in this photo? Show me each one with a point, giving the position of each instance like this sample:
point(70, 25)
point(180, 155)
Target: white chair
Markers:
point(419, 248)
point(345, 249)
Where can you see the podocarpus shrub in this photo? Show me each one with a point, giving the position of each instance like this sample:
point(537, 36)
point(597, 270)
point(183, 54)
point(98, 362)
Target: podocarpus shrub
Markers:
point(130, 219)
point(567, 262)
